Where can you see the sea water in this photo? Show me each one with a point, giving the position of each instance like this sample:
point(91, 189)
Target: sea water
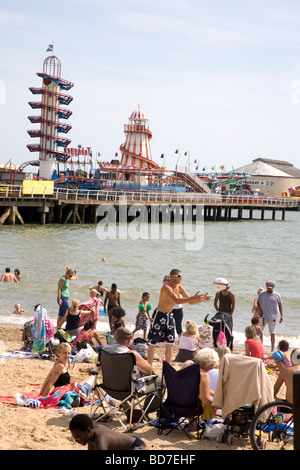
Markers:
point(245, 252)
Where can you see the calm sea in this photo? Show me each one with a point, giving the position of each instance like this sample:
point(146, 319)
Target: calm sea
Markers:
point(247, 253)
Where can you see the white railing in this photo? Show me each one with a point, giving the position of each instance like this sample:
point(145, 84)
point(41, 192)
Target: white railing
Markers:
point(105, 195)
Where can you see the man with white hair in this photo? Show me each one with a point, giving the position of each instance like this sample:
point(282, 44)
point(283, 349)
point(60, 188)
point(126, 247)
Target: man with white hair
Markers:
point(269, 305)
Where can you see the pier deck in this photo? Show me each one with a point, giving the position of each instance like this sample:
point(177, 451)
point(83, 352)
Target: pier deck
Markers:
point(81, 206)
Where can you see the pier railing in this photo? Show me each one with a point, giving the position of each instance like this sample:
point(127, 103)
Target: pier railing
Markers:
point(146, 197)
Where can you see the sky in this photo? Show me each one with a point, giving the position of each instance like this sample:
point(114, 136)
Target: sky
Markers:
point(218, 79)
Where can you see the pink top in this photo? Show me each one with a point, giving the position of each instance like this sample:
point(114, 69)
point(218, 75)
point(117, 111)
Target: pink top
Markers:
point(255, 347)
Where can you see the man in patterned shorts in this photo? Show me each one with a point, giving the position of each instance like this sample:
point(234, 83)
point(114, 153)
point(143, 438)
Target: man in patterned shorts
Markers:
point(162, 328)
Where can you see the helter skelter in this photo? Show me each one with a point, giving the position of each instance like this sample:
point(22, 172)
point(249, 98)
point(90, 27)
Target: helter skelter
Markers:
point(49, 119)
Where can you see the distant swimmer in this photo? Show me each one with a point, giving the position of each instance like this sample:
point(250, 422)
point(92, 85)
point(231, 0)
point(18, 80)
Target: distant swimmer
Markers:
point(17, 274)
point(104, 260)
point(8, 276)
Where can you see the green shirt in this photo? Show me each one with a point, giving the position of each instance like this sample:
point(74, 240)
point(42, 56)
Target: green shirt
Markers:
point(65, 287)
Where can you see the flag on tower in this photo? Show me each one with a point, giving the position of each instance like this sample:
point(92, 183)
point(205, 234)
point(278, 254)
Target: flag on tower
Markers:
point(176, 151)
point(50, 48)
point(162, 155)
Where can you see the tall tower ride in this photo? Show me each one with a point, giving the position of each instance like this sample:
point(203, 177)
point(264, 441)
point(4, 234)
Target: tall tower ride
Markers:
point(49, 120)
point(136, 151)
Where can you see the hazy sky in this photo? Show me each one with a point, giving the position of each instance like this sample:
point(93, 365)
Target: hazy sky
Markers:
point(219, 79)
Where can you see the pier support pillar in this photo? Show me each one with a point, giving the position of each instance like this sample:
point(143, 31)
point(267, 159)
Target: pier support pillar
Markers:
point(43, 211)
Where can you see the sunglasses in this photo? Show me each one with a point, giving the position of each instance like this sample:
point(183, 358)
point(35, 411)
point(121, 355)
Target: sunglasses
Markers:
point(177, 275)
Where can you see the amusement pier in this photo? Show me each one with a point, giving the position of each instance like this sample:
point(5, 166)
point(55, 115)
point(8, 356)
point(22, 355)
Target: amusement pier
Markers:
point(71, 184)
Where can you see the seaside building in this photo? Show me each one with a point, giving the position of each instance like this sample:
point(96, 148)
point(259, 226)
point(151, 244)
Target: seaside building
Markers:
point(51, 142)
point(271, 177)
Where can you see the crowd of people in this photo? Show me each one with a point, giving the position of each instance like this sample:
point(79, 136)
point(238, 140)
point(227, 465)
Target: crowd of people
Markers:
point(79, 320)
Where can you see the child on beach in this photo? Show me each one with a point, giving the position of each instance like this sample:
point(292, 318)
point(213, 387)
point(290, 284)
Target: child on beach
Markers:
point(255, 308)
point(18, 310)
point(188, 342)
point(86, 335)
point(280, 358)
point(253, 345)
point(143, 315)
point(259, 332)
point(117, 320)
point(99, 437)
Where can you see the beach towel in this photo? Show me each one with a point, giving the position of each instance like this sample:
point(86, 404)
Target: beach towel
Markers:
point(93, 306)
point(39, 330)
point(242, 380)
point(59, 397)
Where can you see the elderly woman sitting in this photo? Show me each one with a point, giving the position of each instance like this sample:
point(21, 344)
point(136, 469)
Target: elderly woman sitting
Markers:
point(208, 358)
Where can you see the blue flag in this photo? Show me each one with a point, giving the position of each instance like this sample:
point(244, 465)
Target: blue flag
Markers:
point(176, 151)
point(50, 48)
point(162, 155)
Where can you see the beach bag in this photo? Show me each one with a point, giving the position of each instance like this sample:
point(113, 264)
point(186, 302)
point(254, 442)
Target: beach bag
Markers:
point(221, 339)
point(205, 335)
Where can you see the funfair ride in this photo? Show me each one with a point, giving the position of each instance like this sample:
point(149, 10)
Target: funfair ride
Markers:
point(49, 120)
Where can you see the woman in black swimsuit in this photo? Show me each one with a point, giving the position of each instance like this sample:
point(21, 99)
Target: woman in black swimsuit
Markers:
point(59, 375)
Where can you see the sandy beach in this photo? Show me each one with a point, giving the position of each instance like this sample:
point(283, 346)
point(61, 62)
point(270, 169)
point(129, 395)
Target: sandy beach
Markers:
point(47, 429)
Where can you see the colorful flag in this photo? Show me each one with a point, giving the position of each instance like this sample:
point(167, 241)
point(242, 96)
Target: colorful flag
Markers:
point(50, 48)
point(222, 167)
point(116, 154)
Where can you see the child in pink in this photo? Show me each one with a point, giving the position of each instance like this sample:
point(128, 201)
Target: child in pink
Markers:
point(253, 344)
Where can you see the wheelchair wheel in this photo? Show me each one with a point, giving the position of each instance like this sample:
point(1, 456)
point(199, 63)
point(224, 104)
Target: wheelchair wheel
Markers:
point(272, 427)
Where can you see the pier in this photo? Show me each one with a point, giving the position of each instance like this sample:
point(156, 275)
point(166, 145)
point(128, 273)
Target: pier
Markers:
point(75, 206)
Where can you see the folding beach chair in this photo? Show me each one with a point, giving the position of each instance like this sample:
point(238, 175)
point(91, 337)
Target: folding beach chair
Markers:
point(182, 402)
point(122, 393)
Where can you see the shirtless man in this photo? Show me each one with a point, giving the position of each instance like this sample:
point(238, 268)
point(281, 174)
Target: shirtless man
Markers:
point(286, 376)
point(112, 299)
point(8, 276)
point(162, 323)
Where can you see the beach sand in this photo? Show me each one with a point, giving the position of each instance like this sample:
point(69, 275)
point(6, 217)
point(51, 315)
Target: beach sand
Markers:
point(46, 429)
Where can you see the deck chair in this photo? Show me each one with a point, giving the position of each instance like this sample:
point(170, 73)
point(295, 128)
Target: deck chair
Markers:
point(122, 393)
point(182, 400)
